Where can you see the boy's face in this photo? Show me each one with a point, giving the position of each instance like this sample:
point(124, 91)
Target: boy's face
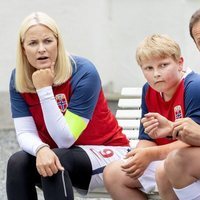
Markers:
point(163, 74)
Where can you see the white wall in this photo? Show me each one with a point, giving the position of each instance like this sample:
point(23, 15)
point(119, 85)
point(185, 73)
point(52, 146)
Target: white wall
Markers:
point(105, 31)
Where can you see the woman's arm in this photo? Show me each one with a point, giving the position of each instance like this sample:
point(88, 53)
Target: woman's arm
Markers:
point(58, 126)
point(27, 135)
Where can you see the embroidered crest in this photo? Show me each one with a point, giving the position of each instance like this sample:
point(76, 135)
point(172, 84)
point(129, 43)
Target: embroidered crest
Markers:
point(62, 102)
point(178, 112)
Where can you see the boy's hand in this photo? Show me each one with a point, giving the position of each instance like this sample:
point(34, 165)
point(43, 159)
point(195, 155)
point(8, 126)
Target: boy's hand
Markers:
point(136, 162)
point(156, 126)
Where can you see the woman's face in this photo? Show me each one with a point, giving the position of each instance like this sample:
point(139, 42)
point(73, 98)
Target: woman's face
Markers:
point(40, 46)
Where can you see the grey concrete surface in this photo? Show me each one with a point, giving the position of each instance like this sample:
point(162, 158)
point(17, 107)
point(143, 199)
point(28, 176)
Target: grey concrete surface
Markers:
point(5, 114)
point(8, 146)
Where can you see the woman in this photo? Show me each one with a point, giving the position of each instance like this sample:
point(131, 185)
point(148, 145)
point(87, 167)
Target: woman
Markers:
point(62, 121)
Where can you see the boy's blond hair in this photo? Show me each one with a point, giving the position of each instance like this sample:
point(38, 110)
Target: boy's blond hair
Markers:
point(24, 70)
point(157, 45)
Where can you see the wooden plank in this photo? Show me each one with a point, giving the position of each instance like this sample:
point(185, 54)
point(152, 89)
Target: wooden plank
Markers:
point(128, 114)
point(129, 103)
point(129, 123)
point(131, 134)
point(135, 92)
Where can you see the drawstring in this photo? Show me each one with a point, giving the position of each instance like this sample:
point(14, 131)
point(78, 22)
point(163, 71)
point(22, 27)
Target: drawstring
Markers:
point(63, 181)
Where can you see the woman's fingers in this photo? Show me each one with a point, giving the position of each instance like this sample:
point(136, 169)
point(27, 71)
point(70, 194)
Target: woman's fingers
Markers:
point(47, 170)
point(58, 165)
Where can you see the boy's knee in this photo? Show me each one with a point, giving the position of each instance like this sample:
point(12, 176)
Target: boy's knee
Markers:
point(174, 163)
point(110, 173)
point(162, 178)
point(107, 173)
point(160, 174)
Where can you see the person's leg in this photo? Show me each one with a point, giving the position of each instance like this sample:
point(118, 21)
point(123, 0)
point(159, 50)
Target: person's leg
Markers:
point(76, 161)
point(165, 188)
point(57, 186)
point(77, 172)
point(182, 168)
point(21, 177)
point(119, 185)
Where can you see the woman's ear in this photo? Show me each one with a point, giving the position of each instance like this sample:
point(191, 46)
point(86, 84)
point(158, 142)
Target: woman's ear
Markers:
point(23, 50)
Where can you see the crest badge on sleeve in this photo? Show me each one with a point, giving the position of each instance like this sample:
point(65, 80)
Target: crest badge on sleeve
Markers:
point(178, 112)
point(62, 102)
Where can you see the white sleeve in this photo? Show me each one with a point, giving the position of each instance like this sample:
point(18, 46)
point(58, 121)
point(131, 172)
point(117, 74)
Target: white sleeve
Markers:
point(54, 120)
point(27, 135)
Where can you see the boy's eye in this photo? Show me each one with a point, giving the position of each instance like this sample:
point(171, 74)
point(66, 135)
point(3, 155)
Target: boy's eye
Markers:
point(164, 65)
point(148, 68)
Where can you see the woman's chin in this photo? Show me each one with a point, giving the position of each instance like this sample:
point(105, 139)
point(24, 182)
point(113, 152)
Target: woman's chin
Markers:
point(44, 66)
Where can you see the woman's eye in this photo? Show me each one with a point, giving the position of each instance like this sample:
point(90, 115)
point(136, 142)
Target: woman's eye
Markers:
point(47, 41)
point(32, 43)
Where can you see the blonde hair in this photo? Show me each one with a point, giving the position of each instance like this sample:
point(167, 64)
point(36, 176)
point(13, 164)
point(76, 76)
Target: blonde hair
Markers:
point(157, 45)
point(24, 70)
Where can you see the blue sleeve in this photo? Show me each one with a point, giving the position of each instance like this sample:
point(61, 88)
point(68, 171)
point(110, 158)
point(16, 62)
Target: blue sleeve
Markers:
point(192, 96)
point(86, 87)
point(144, 110)
point(19, 108)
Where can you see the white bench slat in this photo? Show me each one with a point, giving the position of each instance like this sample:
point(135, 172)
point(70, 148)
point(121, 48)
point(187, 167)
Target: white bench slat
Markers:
point(128, 114)
point(132, 92)
point(131, 134)
point(129, 103)
point(133, 143)
point(129, 123)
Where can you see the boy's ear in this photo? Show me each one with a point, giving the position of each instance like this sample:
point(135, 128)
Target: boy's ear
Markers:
point(181, 61)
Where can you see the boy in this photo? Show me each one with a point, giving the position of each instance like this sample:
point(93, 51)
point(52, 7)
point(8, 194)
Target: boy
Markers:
point(167, 96)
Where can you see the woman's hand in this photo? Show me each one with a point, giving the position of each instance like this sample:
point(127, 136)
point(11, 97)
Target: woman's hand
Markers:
point(136, 162)
point(188, 131)
point(156, 126)
point(43, 77)
point(47, 162)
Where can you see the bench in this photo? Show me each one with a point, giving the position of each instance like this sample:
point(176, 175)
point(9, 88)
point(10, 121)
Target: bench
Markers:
point(128, 116)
